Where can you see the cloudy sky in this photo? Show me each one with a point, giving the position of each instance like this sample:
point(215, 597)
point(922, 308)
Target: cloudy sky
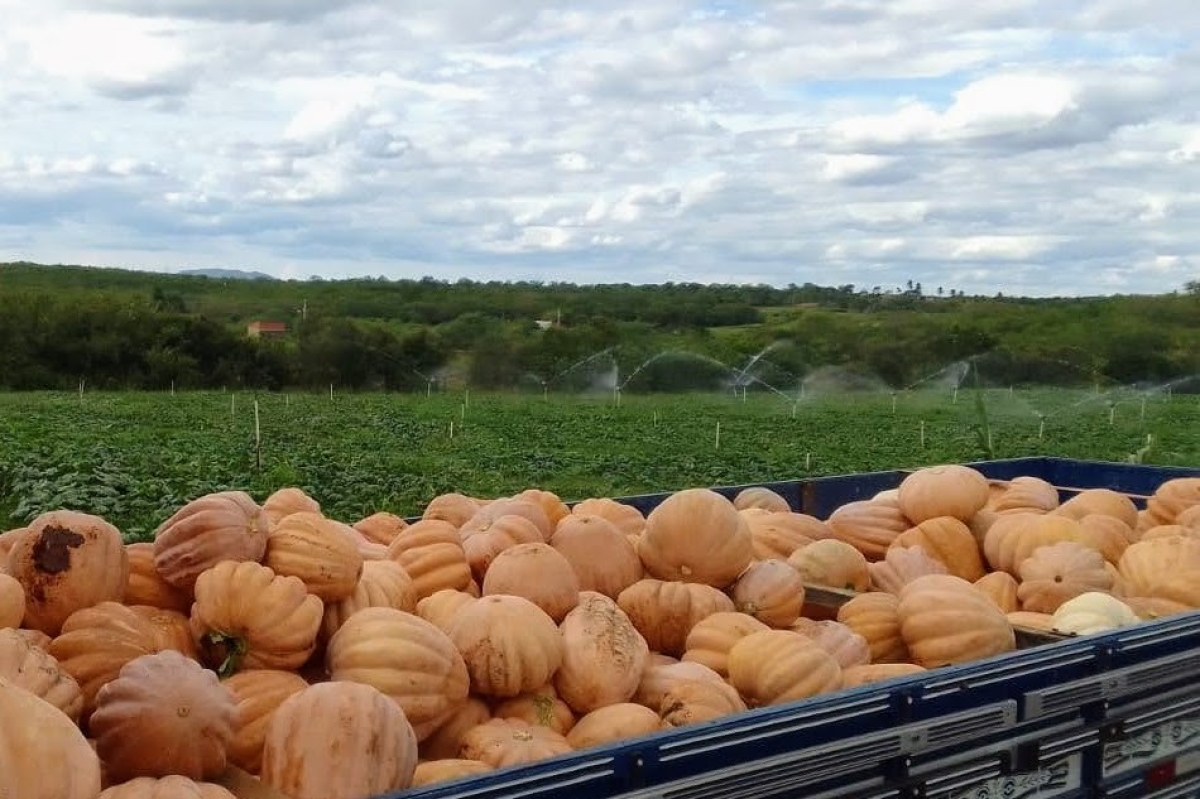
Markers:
point(1027, 146)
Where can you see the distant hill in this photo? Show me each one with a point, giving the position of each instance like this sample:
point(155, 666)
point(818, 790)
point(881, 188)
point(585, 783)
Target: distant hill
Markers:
point(226, 274)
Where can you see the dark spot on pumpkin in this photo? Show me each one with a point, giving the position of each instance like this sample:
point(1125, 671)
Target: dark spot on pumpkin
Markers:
point(52, 550)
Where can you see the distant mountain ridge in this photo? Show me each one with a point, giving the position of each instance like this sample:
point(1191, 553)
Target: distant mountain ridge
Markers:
point(226, 274)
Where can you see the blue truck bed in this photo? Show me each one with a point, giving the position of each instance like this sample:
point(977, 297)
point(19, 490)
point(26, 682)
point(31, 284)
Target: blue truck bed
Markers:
point(1112, 715)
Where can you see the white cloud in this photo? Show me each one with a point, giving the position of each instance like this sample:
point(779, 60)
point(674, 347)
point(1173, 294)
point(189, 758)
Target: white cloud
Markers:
point(1024, 148)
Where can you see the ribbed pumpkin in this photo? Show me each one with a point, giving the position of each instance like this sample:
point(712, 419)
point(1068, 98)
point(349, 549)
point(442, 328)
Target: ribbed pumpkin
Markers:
point(580, 536)
point(365, 747)
point(443, 607)
point(711, 639)
point(452, 507)
point(67, 561)
point(381, 527)
point(256, 695)
point(613, 723)
point(510, 646)
point(696, 535)
point(833, 563)
point(432, 772)
point(170, 787)
point(946, 490)
point(874, 616)
point(1100, 500)
point(1146, 565)
point(446, 740)
point(695, 701)
point(147, 587)
point(527, 509)
point(854, 676)
point(948, 541)
point(1001, 588)
point(902, 565)
point(760, 497)
point(778, 534)
point(626, 518)
point(432, 553)
point(485, 536)
point(227, 525)
point(287, 501)
point(1106, 534)
point(869, 526)
point(509, 742)
point(248, 617)
point(945, 620)
point(43, 755)
point(1014, 537)
point(24, 665)
point(777, 666)
point(95, 644)
point(665, 612)
point(550, 503)
point(1053, 574)
point(603, 655)
point(382, 584)
point(770, 591)
point(1172, 498)
point(405, 657)
point(662, 675)
point(847, 647)
point(537, 572)
point(164, 714)
point(1026, 494)
point(308, 546)
point(12, 602)
point(542, 707)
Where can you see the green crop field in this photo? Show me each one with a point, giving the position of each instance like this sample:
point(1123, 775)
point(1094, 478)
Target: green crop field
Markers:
point(135, 457)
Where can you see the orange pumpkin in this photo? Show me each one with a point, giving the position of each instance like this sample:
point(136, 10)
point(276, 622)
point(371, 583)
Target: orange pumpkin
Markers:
point(432, 554)
point(164, 714)
point(227, 525)
point(869, 526)
point(509, 644)
point(902, 565)
point(946, 620)
point(1100, 500)
point(613, 723)
point(256, 695)
point(37, 671)
point(67, 561)
point(405, 657)
point(446, 740)
point(431, 772)
point(833, 563)
point(381, 527)
point(603, 655)
point(847, 647)
point(696, 535)
point(509, 742)
point(779, 534)
point(527, 509)
point(453, 508)
point(247, 616)
point(761, 497)
point(308, 546)
point(442, 608)
point(43, 755)
point(864, 674)
point(778, 666)
point(1053, 574)
point(1026, 494)
point(1001, 588)
point(711, 639)
point(97, 642)
point(949, 541)
point(542, 707)
point(537, 572)
point(1172, 498)
point(366, 748)
point(665, 612)
point(147, 587)
point(875, 616)
point(550, 503)
point(770, 591)
point(626, 518)
point(12, 602)
point(287, 501)
point(383, 584)
point(170, 787)
point(1146, 565)
point(946, 490)
point(661, 676)
point(580, 536)
point(1014, 537)
point(486, 536)
point(1106, 534)
point(694, 701)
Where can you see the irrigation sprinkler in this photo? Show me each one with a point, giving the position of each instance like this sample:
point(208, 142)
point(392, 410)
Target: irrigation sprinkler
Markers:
point(331, 392)
point(451, 429)
point(807, 461)
point(1041, 426)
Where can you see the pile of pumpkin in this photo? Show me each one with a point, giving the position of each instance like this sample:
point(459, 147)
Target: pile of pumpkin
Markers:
point(278, 652)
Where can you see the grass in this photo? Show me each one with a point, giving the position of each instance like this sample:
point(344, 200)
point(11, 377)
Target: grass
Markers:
point(135, 457)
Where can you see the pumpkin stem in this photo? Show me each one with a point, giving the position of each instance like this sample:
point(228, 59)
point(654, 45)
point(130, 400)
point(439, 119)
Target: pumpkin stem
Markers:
point(228, 649)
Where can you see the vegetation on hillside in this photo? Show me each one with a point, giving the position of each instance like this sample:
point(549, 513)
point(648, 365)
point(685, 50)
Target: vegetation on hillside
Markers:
point(116, 329)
